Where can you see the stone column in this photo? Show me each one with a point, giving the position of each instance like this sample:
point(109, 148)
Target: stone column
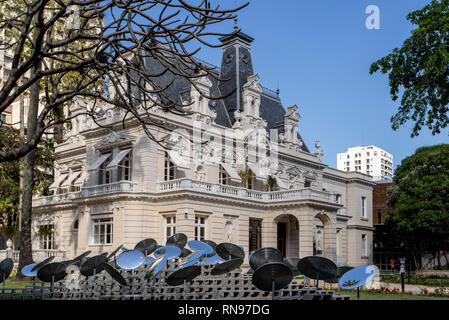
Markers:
point(330, 237)
point(269, 233)
point(305, 217)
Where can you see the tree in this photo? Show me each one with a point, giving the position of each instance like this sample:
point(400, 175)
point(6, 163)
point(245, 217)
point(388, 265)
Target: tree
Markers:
point(418, 210)
point(62, 50)
point(420, 71)
point(84, 48)
point(10, 171)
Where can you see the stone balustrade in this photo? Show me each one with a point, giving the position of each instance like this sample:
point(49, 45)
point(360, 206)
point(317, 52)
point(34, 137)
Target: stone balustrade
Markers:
point(246, 194)
point(38, 255)
point(186, 184)
point(116, 187)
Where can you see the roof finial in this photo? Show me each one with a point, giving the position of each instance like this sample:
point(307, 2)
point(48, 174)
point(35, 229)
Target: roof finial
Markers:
point(236, 26)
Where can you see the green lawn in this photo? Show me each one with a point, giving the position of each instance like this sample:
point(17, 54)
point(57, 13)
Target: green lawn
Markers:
point(365, 295)
point(16, 284)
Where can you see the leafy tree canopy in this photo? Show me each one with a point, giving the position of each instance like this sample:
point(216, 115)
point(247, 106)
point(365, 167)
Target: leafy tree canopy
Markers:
point(420, 70)
point(10, 171)
point(418, 202)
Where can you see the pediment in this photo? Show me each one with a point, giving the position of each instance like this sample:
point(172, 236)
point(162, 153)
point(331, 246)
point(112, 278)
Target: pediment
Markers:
point(114, 139)
point(310, 175)
point(293, 171)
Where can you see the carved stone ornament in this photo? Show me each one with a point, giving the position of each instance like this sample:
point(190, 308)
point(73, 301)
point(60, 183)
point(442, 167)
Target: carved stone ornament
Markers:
point(229, 57)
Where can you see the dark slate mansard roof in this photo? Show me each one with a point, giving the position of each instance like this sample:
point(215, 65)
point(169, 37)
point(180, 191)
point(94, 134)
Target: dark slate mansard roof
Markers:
point(271, 108)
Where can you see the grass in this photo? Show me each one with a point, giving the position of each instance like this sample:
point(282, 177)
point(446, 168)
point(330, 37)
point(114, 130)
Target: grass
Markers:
point(366, 295)
point(16, 284)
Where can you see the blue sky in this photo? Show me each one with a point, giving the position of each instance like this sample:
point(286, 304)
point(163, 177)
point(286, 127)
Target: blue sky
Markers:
point(319, 53)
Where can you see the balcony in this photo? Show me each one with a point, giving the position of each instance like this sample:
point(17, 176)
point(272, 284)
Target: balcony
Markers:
point(38, 254)
point(104, 189)
point(245, 194)
point(110, 188)
point(56, 199)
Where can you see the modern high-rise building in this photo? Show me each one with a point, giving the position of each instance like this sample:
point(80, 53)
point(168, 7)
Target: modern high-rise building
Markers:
point(370, 160)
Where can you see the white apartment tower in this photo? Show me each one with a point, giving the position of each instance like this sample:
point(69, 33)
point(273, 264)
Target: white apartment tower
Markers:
point(370, 160)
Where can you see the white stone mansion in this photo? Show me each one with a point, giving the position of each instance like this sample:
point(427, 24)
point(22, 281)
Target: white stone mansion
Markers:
point(116, 186)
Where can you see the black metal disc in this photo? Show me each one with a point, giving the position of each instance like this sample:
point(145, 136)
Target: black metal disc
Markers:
point(263, 256)
point(146, 246)
point(113, 253)
point(228, 251)
point(341, 271)
point(276, 272)
point(318, 268)
point(52, 272)
point(185, 252)
point(93, 265)
point(114, 273)
point(186, 274)
point(213, 246)
point(42, 263)
point(6, 267)
point(292, 262)
point(178, 240)
point(226, 267)
point(79, 260)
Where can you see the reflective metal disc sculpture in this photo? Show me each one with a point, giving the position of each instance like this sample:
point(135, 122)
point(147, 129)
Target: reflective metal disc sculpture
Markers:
point(156, 267)
point(292, 262)
point(146, 246)
point(213, 246)
point(200, 246)
point(226, 267)
point(357, 277)
point(52, 272)
point(228, 251)
point(263, 256)
point(93, 265)
point(42, 263)
point(272, 277)
point(171, 252)
point(26, 271)
point(192, 259)
point(130, 260)
point(114, 273)
point(212, 260)
point(185, 252)
point(183, 275)
point(78, 260)
point(318, 268)
point(341, 271)
point(178, 240)
point(6, 267)
point(113, 253)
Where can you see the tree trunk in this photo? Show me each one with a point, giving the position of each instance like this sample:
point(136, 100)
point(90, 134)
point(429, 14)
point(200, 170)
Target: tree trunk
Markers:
point(439, 258)
point(26, 254)
point(22, 134)
point(445, 255)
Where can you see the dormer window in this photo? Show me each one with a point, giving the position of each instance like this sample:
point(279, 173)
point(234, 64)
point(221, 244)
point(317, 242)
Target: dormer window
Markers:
point(223, 176)
point(169, 169)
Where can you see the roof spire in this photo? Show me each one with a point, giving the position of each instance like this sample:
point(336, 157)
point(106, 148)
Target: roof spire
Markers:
point(236, 26)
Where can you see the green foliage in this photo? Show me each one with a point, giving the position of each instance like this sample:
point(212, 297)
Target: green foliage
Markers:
point(10, 171)
point(420, 69)
point(418, 210)
point(247, 177)
point(272, 184)
point(45, 231)
point(418, 280)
